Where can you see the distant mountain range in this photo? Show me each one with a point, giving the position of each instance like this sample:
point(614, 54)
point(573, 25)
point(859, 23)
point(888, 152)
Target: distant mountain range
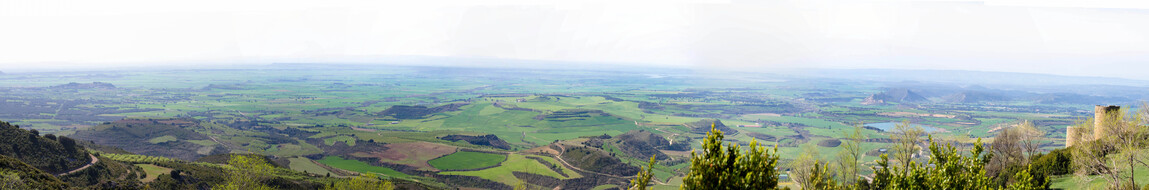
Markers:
point(967, 77)
point(975, 97)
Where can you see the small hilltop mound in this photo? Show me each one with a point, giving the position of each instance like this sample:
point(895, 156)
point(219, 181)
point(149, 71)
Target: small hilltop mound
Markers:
point(597, 160)
point(895, 95)
point(641, 144)
point(485, 140)
point(154, 137)
point(830, 143)
point(418, 112)
point(703, 127)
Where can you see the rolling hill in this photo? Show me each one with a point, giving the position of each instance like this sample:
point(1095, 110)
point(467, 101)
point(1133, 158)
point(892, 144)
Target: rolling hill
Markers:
point(154, 137)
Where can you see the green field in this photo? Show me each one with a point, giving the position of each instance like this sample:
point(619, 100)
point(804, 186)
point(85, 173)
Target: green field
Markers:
point(358, 166)
point(305, 165)
point(153, 171)
point(466, 160)
point(163, 139)
point(515, 162)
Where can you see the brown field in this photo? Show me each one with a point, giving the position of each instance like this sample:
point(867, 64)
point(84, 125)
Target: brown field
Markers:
point(414, 154)
point(132, 121)
point(170, 122)
point(676, 153)
point(363, 129)
point(546, 149)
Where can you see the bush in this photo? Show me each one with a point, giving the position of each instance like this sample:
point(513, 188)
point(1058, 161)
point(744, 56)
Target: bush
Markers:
point(1057, 162)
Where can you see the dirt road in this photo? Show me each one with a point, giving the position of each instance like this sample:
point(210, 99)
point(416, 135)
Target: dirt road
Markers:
point(94, 161)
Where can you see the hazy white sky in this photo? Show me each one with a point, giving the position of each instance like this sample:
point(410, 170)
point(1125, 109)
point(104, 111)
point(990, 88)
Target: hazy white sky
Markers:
point(1071, 37)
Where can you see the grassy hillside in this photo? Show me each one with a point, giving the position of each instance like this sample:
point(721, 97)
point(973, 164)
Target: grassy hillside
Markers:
point(155, 137)
point(15, 174)
point(358, 166)
point(51, 154)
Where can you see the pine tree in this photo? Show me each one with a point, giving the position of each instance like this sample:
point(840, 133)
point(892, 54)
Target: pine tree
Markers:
point(365, 181)
point(728, 167)
point(643, 178)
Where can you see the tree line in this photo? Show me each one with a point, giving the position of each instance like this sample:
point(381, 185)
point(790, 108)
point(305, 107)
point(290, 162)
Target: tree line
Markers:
point(1012, 160)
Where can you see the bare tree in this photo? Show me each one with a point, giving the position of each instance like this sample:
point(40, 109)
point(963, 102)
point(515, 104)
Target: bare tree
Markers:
point(1011, 149)
point(1030, 139)
point(906, 138)
point(801, 168)
point(850, 154)
point(1006, 152)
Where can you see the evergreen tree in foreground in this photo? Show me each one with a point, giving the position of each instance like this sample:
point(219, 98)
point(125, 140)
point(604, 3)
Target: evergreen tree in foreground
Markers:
point(728, 167)
point(947, 169)
point(643, 178)
point(364, 181)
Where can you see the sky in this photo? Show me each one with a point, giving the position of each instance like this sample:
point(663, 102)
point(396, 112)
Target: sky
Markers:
point(1064, 37)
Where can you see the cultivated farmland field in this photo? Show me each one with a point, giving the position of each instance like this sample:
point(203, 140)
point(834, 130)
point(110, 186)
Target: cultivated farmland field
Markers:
point(467, 160)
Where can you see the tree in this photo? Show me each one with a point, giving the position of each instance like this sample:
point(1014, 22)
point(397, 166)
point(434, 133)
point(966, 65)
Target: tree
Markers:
point(801, 168)
point(1012, 150)
point(906, 138)
point(248, 173)
point(882, 173)
point(11, 180)
point(174, 174)
point(728, 167)
point(820, 177)
point(68, 143)
point(643, 178)
point(365, 181)
point(851, 153)
point(1030, 139)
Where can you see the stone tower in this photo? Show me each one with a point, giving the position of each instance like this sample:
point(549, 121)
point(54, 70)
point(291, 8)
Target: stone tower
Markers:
point(1074, 134)
point(1101, 117)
